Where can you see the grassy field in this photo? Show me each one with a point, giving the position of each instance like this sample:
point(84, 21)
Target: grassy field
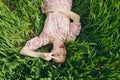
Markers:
point(95, 55)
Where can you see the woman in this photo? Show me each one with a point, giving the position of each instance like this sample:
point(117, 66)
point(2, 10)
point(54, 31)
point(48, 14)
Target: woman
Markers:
point(56, 31)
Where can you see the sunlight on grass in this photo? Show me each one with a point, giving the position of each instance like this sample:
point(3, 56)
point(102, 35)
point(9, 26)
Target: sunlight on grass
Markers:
point(94, 55)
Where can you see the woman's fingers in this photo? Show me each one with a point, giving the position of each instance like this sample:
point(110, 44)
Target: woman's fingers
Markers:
point(46, 56)
point(56, 58)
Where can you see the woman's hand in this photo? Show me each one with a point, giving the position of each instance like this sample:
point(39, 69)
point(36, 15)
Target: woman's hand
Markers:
point(46, 56)
point(51, 9)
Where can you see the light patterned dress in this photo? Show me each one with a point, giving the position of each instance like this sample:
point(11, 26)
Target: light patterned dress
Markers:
point(57, 25)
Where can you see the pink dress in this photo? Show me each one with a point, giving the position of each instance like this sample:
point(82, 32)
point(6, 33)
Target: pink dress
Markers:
point(57, 25)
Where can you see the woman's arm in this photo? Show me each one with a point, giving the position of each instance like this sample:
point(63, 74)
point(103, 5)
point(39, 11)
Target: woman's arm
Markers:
point(27, 52)
point(75, 17)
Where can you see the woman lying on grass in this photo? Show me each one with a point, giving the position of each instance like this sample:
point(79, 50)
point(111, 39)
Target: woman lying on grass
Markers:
point(56, 31)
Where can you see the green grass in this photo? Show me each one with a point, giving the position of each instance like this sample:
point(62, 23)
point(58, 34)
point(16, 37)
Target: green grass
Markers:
point(95, 55)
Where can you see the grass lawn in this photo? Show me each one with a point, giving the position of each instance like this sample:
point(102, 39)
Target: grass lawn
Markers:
point(95, 55)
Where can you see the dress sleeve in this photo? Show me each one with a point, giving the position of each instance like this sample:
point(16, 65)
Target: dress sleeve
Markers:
point(74, 30)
